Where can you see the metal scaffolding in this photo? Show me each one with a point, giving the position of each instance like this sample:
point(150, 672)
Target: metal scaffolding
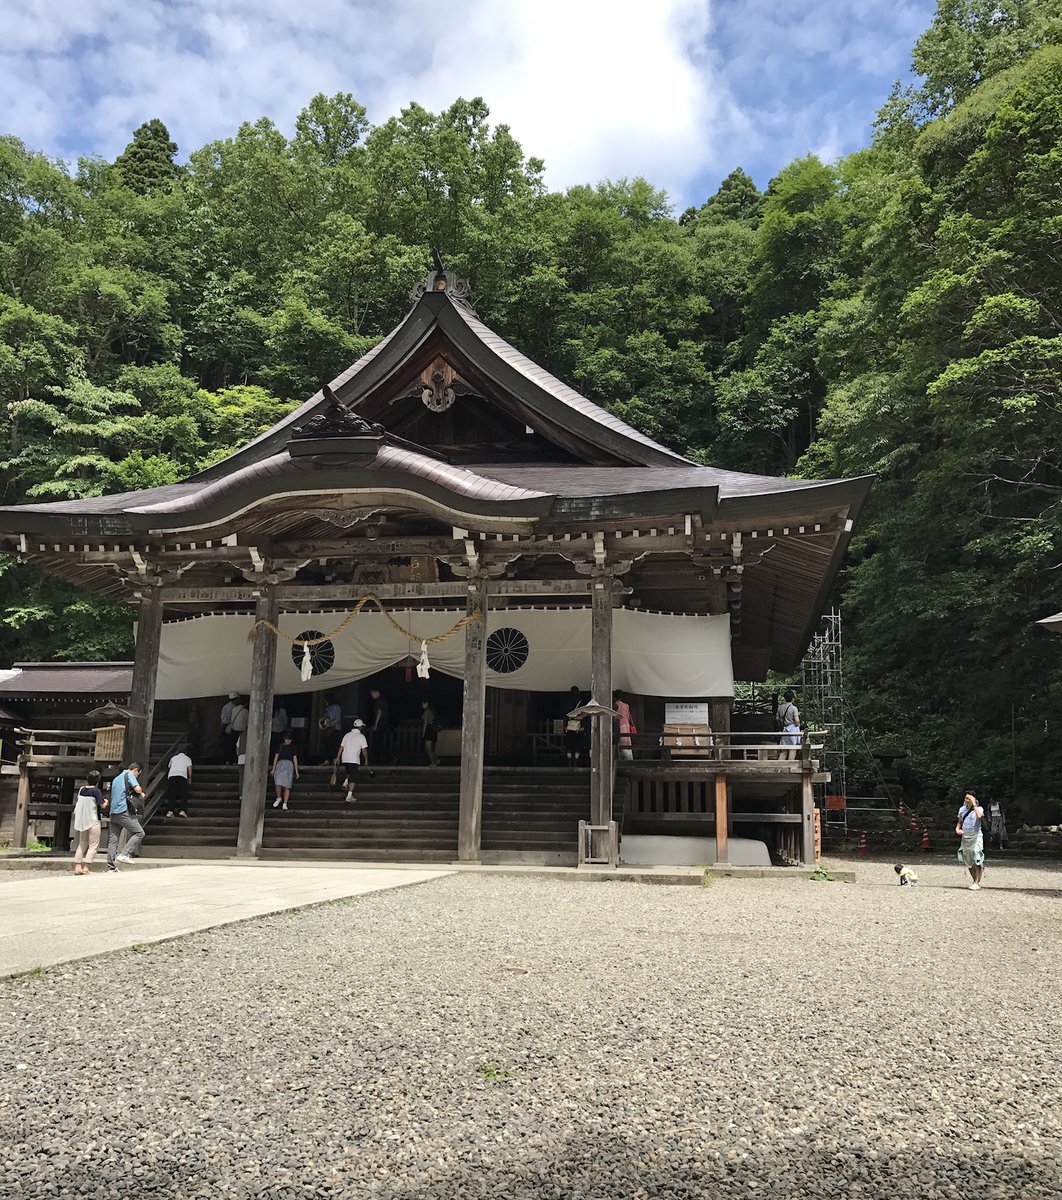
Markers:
point(822, 698)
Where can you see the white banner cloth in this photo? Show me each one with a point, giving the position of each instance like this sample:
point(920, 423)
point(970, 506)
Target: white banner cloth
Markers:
point(653, 654)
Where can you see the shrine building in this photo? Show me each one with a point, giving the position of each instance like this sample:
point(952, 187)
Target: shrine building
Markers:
point(448, 522)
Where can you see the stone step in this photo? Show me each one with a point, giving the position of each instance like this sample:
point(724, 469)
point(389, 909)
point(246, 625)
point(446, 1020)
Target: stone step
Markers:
point(367, 844)
point(191, 839)
point(368, 828)
point(359, 854)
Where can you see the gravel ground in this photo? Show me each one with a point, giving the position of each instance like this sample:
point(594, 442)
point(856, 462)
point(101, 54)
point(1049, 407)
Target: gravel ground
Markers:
point(525, 1037)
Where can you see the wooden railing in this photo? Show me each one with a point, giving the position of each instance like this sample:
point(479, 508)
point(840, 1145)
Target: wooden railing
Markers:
point(46, 744)
point(72, 753)
point(711, 749)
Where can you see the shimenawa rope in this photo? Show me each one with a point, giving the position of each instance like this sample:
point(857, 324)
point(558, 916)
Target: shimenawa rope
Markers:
point(422, 667)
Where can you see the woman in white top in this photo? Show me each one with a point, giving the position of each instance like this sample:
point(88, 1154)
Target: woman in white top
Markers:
point(87, 809)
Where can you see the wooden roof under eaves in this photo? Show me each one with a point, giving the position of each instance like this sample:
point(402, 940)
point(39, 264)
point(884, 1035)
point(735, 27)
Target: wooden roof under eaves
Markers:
point(444, 428)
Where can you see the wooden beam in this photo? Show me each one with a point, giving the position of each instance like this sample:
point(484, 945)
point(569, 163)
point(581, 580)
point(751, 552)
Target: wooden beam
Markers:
point(473, 721)
point(807, 812)
point(145, 678)
point(601, 691)
point(352, 592)
point(360, 549)
point(260, 711)
point(20, 834)
point(722, 827)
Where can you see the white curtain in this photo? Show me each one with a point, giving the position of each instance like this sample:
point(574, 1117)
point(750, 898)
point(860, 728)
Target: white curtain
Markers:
point(653, 654)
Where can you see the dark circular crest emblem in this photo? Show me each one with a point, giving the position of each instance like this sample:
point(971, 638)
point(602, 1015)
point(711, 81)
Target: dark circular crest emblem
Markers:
point(322, 655)
point(507, 650)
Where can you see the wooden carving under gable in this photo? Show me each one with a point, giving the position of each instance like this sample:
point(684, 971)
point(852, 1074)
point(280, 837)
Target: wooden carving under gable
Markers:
point(439, 386)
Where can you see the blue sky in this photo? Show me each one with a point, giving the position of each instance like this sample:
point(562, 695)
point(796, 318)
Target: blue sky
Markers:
point(680, 91)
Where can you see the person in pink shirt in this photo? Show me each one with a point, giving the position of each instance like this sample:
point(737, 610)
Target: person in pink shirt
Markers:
point(626, 725)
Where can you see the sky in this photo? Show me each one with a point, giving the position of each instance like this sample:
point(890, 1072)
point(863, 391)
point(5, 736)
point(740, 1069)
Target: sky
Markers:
point(679, 91)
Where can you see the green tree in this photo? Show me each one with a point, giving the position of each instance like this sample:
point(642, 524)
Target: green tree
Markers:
point(737, 199)
point(147, 164)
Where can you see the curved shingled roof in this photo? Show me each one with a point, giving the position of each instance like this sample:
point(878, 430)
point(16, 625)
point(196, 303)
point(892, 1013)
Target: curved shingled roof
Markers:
point(281, 472)
point(542, 392)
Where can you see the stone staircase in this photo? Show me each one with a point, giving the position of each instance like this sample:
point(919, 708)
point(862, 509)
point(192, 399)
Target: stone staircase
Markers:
point(211, 828)
point(532, 814)
point(403, 814)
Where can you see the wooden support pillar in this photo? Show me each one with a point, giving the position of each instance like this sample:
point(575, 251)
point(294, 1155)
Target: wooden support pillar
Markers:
point(601, 732)
point(721, 706)
point(722, 822)
point(64, 821)
point(473, 722)
point(807, 823)
point(259, 717)
point(145, 677)
point(20, 834)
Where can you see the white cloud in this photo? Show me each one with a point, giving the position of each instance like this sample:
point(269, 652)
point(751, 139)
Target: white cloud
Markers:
point(670, 89)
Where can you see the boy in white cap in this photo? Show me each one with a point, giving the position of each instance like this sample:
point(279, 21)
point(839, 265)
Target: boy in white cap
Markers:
point(353, 751)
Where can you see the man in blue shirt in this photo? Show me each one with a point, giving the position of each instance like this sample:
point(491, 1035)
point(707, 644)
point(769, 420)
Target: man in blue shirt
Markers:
point(972, 847)
point(121, 818)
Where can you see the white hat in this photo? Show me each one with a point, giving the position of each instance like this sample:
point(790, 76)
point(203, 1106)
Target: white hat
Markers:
point(234, 695)
point(359, 723)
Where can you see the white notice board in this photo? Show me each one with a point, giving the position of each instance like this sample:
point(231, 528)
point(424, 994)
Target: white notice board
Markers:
point(688, 712)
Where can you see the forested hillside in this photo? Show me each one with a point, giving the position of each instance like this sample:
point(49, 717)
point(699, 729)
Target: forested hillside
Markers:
point(896, 312)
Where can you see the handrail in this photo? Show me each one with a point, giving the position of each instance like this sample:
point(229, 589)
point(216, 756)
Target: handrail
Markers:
point(729, 746)
point(158, 775)
point(64, 733)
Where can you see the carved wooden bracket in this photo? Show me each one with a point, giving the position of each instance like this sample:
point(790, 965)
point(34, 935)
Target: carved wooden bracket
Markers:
point(271, 572)
point(371, 573)
point(438, 387)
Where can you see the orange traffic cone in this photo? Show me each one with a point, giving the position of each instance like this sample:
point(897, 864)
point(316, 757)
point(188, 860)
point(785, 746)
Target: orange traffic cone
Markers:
point(902, 813)
point(862, 843)
point(925, 837)
point(913, 827)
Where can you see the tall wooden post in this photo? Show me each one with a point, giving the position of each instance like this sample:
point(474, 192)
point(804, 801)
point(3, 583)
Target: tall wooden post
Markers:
point(722, 822)
point(721, 706)
point(473, 721)
point(259, 718)
point(20, 834)
point(145, 677)
point(601, 691)
point(807, 823)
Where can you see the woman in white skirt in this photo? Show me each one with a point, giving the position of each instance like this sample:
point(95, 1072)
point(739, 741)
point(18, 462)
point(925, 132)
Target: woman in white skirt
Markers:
point(285, 770)
point(87, 808)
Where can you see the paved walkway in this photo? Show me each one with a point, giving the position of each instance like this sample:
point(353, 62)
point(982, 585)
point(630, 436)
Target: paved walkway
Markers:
point(48, 918)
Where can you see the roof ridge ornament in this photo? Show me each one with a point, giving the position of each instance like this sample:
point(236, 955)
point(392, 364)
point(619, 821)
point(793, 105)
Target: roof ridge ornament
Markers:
point(335, 420)
point(442, 279)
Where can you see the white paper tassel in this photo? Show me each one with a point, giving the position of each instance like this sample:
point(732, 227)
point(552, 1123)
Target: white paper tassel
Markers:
point(423, 667)
point(307, 667)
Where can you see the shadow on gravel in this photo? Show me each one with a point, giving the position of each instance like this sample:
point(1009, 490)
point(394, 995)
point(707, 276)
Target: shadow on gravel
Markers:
point(1026, 891)
point(696, 1169)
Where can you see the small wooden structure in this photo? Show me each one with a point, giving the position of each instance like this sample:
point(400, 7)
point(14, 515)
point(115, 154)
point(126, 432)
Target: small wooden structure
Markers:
point(687, 741)
point(445, 469)
point(110, 743)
